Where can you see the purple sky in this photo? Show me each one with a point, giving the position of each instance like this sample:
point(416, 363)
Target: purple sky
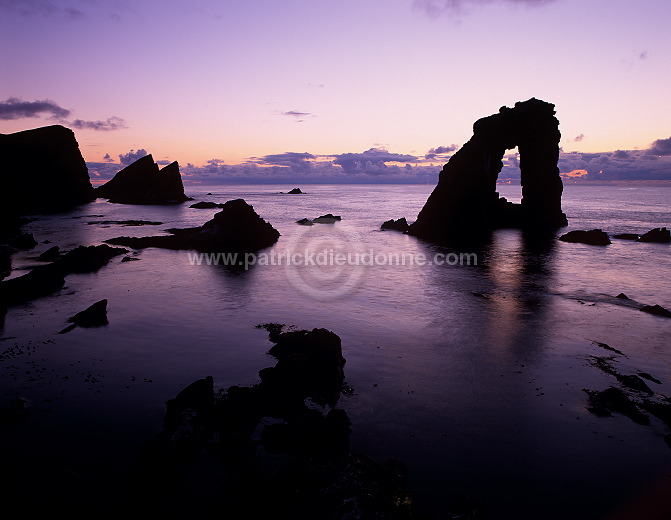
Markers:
point(374, 89)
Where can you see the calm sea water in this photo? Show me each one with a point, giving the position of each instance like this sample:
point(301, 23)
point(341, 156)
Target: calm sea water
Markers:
point(472, 375)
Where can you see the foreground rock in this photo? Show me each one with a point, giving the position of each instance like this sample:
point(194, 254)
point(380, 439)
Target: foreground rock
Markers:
point(397, 225)
point(43, 171)
point(93, 316)
point(46, 279)
point(276, 456)
point(236, 228)
point(595, 237)
point(465, 204)
point(143, 183)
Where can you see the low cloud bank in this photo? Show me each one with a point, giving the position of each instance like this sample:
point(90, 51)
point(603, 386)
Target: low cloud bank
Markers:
point(378, 165)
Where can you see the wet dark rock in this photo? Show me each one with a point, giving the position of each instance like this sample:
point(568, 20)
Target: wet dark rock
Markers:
point(42, 171)
point(295, 191)
point(626, 236)
point(657, 310)
point(86, 259)
point(206, 205)
point(39, 282)
point(634, 382)
point(304, 222)
point(623, 296)
point(129, 259)
point(608, 347)
point(236, 228)
point(326, 219)
point(397, 225)
point(595, 237)
point(662, 235)
point(46, 279)
point(50, 255)
point(649, 377)
point(6, 253)
point(23, 241)
point(613, 400)
point(93, 316)
point(143, 183)
point(130, 222)
point(465, 203)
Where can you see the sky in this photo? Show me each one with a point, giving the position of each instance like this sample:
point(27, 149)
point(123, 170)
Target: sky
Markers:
point(353, 90)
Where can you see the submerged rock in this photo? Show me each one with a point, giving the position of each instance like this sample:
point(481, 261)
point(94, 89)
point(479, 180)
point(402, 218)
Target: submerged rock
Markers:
point(657, 310)
point(143, 183)
point(662, 235)
point(595, 237)
point(613, 400)
point(50, 255)
point(626, 236)
point(397, 225)
point(236, 228)
point(206, 205)
point(465, 203)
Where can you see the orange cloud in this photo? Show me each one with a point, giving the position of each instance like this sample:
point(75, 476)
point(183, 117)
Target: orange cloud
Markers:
point(573, 174)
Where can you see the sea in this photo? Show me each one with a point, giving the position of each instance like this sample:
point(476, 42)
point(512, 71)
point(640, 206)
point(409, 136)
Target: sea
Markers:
point(470, 366)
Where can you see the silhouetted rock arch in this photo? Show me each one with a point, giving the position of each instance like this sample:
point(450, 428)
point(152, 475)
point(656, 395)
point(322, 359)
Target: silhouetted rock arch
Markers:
point(465, 202)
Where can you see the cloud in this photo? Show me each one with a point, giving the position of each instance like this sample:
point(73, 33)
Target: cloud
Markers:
point(14, 108)
point(297, 115)
point(132, 156)
point(295, 160)
point(108, 158)
point(42, 7)
point(111, 124)
point(371, 161)
point(579, 138)
point(439, 152)
point(620, 164)
point(436, 8)
point(660, 147)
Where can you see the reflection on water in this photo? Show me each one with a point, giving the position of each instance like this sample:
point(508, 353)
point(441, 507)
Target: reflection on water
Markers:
point(470, 374)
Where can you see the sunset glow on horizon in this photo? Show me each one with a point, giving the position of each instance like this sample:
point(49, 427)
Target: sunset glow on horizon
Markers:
point(239, 82)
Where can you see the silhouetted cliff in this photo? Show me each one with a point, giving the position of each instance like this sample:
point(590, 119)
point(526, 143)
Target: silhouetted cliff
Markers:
point(42, 170)
point(143, 183)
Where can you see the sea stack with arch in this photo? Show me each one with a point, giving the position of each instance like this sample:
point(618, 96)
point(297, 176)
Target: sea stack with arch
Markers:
point(465, 203)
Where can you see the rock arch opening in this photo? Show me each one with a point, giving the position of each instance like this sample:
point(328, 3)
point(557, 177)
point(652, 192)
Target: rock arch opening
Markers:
point(465, 201)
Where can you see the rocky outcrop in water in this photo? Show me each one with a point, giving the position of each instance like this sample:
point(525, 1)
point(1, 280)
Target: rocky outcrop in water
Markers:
point(465, 203)
point(42, 171)
point(594, 237)
point(280, 449)
point(46, 279)
point(661, 235)
point(236, 228)
point(143, 183)
point(397, 225)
